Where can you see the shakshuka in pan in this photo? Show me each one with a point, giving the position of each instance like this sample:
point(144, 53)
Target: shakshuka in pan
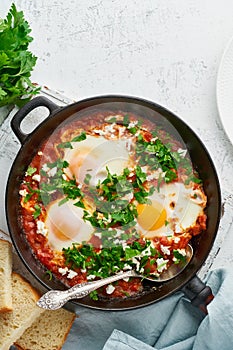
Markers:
point(110, 193)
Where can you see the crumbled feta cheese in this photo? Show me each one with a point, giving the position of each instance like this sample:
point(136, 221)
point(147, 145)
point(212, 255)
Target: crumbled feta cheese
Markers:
point(45, 167)
point(161, 264)
point(182, 251)
point(165, 250)
point(117, 117)
point(121, 131)
point(144, 169)
point(150, 177)
point(62, 270)
point(124, 245)
point(178, 228)
point(41, 229)
point(147, 251)
point(127, 267)
point(136, 262)
point(129, 144)
point(71, 274)
point(126, 279)
point(98, 234)
point(118, 233)
point(116, 241)
point(23, 193)
point(52, 171)
point(132, 124)
point(91, 277)
point(128, 197)
point(182, 152)
point(110, 128)
point(36, 177)
point(40, 153)
point(155, 175)
point(176, 239)
point(110, 289)
point(83, 270)
point(99, 132)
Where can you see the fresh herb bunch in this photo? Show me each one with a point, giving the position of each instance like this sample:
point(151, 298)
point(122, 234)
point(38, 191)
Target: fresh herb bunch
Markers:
point(16, 61)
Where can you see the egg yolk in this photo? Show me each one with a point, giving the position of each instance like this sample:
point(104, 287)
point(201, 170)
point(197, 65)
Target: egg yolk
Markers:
point(151, 216)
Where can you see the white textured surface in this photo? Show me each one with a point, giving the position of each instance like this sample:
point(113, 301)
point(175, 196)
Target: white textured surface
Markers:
point(225, 89)
point(166, 51)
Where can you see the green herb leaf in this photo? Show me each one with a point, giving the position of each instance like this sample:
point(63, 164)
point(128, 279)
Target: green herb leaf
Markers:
point(30, 171)
point(94, 295)
point(179, 257)
point(50, 275)
point(87, 179)
point(16, 62)
point(37, 211)
point(65, 145)
point(80, 137)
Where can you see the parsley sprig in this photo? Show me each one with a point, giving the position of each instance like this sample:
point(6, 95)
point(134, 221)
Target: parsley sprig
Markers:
point(16, 61)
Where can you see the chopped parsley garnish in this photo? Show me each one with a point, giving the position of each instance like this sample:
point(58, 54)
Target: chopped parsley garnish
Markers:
point(110, 198)
point(179, 257)
point(94, 295)
point(49, 274)
point(68, 144)
point(37, 211)
point(30, 171)
point(111, 120)
point(87, 179)
point(56, 183)
point(108, 261)
point(156, 155)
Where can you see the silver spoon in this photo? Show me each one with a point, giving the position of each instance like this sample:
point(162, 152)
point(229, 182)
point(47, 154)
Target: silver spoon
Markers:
point(55, 299)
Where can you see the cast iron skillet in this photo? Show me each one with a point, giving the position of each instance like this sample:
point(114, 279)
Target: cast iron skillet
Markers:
point(187, 281)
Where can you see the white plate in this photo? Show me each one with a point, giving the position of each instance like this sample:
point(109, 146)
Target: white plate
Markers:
point(225, 90)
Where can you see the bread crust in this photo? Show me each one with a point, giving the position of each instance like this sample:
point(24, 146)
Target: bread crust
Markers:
point(5, 275)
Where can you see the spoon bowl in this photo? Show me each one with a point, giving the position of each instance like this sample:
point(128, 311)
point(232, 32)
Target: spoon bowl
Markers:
point(55, 299)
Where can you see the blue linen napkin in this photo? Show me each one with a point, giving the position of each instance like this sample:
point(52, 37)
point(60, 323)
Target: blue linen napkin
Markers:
point(171, 324)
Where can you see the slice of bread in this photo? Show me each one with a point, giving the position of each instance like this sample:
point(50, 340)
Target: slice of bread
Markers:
point(5, 276)
point(48, 332)
point(24, 313)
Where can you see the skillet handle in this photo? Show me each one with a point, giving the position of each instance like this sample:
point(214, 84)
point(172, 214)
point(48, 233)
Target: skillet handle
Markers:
point(39, 101)
point(199, 293)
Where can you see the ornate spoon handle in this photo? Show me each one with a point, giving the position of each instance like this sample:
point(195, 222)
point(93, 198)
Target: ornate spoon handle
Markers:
point(55, 299)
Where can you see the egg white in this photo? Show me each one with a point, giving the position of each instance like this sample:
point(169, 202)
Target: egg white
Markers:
point(92, 156)
point(65, 225)
point(182, 205)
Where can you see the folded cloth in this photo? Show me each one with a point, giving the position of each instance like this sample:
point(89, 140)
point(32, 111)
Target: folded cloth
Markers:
point(171, 324)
